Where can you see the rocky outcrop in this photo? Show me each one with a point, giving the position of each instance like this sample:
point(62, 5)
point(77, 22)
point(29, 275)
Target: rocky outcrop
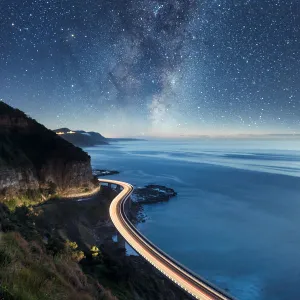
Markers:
point(101, 173)
point(34, 158)
point(66, 175)
point(153, 194)
point(15, 180)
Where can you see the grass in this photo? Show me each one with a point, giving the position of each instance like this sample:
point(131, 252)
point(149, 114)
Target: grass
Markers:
point(27, 198)
point(27, 272)
point(15, 202)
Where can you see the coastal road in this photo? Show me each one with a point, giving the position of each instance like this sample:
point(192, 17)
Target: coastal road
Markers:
point(186, 279)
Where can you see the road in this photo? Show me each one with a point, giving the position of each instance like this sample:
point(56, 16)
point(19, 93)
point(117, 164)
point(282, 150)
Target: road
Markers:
point(186, 279)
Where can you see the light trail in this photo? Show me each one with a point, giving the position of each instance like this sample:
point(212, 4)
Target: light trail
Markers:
point(184, 278)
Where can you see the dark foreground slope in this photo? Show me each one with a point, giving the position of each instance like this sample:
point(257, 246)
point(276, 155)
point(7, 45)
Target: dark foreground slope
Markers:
point(65, 250)
point(34, 158)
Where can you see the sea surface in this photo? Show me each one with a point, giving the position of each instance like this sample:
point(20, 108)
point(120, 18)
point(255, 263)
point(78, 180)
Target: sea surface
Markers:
point(236, 219)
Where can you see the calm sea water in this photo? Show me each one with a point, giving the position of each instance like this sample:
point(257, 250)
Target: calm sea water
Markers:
point(236, 219)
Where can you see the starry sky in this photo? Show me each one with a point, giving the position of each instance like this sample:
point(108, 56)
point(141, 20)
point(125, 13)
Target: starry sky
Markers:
point(154, 67)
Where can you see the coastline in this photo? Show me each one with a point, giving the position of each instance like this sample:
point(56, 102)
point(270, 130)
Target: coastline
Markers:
point(205, 207)
point(166, 289)
point(96, 227)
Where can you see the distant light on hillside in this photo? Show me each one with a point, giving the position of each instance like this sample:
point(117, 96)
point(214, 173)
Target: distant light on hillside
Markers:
point(62, 133)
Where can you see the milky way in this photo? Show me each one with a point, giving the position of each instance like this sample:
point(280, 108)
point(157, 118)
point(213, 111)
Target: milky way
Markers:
point(165, 67)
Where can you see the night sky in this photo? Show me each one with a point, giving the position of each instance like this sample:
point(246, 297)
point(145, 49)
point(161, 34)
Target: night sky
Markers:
point(159, 68)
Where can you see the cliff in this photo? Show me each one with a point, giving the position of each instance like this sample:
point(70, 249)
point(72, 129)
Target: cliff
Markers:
point(36, 159)
point(81, 138)
point(68, 245)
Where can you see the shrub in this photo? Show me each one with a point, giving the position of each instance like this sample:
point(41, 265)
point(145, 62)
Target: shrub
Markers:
point(96, 253)
point(29, 198)
point(71, 245)
point(77, 256)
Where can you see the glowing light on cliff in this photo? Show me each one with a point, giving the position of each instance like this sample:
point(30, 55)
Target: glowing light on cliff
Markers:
point(62, 133)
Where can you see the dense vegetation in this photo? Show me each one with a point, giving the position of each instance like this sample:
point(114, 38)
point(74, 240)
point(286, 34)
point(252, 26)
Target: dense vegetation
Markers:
point(29, 272)
point(37, 267)
point(24, 141)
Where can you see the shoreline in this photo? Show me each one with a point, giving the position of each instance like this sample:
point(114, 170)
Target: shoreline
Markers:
point(87, 225)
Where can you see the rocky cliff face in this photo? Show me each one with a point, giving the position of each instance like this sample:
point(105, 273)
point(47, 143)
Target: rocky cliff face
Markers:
point(34, 158)
point(13, 180)
point(67, 175)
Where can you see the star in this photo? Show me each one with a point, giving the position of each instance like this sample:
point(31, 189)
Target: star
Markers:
point(168, 61)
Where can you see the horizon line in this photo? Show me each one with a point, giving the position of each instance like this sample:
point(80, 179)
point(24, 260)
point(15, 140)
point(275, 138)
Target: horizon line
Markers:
point(238, 135)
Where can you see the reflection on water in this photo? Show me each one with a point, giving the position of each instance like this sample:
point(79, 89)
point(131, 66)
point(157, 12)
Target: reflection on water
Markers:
point(235, 220)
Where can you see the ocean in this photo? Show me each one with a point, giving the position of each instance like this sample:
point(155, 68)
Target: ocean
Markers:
point(236, 219)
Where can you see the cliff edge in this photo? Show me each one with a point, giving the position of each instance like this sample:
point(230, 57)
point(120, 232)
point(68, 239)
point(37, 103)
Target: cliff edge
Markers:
point(33, 158)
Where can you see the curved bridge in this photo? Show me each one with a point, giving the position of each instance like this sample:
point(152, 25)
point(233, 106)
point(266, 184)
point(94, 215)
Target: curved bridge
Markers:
point(186, 279)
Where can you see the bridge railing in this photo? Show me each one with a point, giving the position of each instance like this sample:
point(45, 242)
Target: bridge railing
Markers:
point(192, 275)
